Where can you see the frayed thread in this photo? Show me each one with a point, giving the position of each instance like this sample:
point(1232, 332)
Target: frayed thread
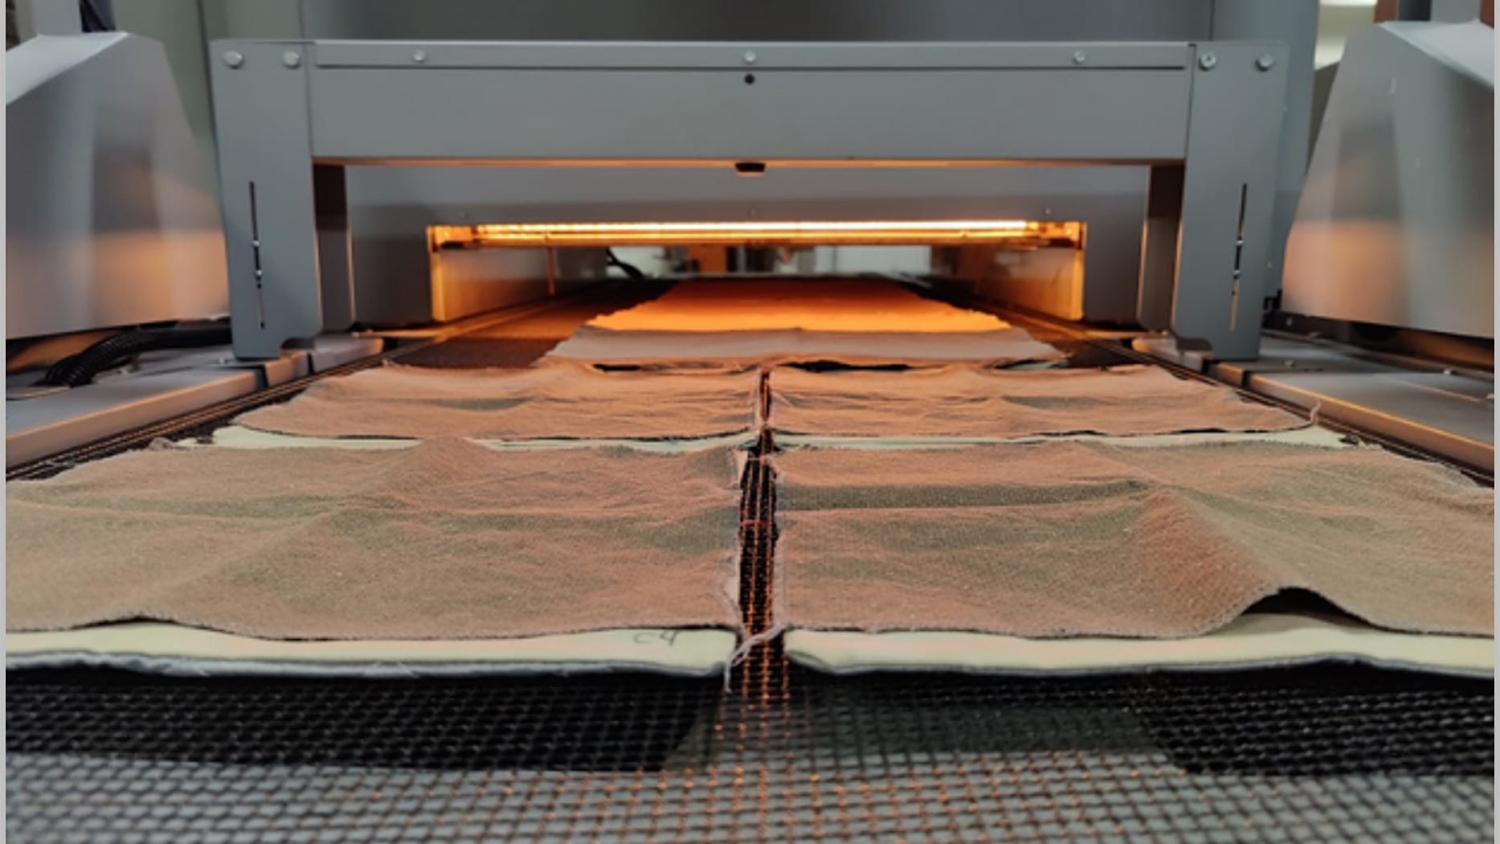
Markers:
point(739, 653)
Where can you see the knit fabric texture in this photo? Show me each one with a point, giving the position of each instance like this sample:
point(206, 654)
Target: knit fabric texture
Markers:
point(1071, 538)
point(444, 540)
point(971, 401)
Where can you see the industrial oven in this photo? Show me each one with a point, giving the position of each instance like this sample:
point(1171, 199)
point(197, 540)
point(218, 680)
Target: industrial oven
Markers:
point(465, 203)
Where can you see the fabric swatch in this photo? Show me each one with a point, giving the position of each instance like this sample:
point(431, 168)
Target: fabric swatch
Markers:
point(970, 401)
point(688, 349)
point(865, 322)
point(1086, 539)
point(867, 305)
point(444, 540)
point(555, 401)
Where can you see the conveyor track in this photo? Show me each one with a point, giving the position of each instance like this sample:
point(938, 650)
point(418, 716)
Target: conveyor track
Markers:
point(1312, 754)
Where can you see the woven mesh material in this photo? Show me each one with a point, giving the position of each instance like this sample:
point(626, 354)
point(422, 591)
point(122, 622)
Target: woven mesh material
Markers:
point(1311, 755)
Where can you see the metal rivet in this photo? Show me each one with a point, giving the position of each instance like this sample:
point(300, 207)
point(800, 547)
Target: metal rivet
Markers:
point(749, 57)
point(419, 56)
point(234, 58)
point(291, 58)
point(1080, 57)
point(1207, 61)
point(1266, 61)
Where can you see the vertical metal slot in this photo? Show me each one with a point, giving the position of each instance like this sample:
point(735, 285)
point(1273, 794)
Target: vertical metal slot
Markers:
point(260, 302)
point(1239, 253)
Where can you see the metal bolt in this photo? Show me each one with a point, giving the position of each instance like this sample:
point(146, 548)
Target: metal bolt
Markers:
point(234, 58)
point(749, 57)
point(1266, 61)
point(1207, 61)
point(419, 56)
point(291, 58)
point(1079, 57)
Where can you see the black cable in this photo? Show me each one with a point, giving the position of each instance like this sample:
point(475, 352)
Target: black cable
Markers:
point(80, 369)
point(630, 269)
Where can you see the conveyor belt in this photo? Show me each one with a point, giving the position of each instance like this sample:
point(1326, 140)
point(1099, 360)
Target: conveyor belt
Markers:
point(1313, 754)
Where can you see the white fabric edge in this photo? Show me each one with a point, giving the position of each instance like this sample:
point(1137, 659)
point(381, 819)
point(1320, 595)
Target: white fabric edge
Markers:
point(1250, 641)
point(238, 436)
point(1309, 435)
point(189, 651)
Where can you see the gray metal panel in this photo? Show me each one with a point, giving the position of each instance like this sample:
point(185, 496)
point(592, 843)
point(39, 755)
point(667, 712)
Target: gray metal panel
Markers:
point(736, 20)
point(1396, 222)
point(266, 186)
point(46, 425)
point(394, 114)
point(1295, 23)
point(112, 221)
point(331, 351)
point(453, 115)
point(1446, 414)
point(571, 55)
point(1229, 192)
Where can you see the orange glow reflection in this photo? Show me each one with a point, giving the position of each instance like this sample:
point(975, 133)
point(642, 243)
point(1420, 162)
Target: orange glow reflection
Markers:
point(865, 232)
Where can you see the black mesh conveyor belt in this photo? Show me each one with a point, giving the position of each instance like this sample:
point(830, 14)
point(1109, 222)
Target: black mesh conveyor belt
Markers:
point(1314, 754)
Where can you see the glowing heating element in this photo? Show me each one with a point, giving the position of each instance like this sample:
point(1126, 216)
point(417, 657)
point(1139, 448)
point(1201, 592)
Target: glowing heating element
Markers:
point(1020, 233)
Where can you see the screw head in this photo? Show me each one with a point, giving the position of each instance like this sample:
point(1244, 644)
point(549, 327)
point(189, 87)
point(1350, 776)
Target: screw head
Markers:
point(1080, 57)
point(291, 58)
point(234, 58)
point(419, 56)
point(749, 57)
point(1207, 61)
point(1266, 61)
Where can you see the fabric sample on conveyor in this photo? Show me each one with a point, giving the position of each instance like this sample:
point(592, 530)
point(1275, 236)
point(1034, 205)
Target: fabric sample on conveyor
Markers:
point(444, 540)
point(970, 401)
point(554, 401)
point(869, 321)
point(831, 305)
point(1070, 538)
point(687, 349)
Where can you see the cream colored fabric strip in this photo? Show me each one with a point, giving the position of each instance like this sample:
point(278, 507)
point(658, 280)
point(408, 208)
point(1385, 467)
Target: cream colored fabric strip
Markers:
point(1253, 640)
point(235, 436)
point(1310, 435)
point(176, 649)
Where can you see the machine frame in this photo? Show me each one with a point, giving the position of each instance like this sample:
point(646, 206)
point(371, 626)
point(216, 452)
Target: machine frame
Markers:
point(1205, 117)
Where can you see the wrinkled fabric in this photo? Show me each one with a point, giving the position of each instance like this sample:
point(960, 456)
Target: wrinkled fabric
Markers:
point(444, 540)
point(971, 401)
point(1071, 539)
point(557, 401)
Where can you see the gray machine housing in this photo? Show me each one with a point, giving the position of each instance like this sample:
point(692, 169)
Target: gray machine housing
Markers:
point(113, 220)
point(1396, 222)
point(1205, 118)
